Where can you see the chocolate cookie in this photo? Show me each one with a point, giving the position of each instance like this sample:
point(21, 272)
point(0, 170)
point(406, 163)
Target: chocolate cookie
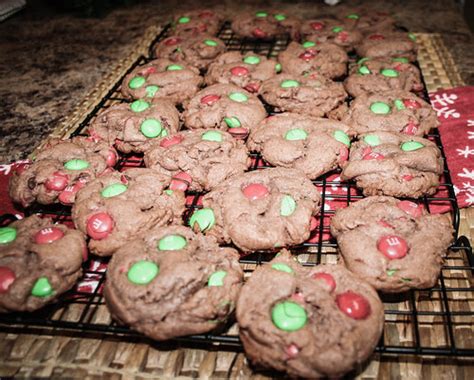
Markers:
point(309, 95)
point(202, 21)
point(198, 51)
point(379, 75)
point(386, 163)
point(394, 245)
point(314, 146)
point(134, 127)
point(309, 322)
point(201, 159)
point(257, 210)
point(388, 44)
point(368, 22)
point(39, 261)
point(115, 208)
point(311, 58)
point(394, 111)
point(265, 24)
point(59, 170)
point(226, 107)
point(162, 79)
point(247, 71)
point(172, 282)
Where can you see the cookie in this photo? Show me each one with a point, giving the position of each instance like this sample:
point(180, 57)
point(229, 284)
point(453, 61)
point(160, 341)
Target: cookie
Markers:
point(394, 245)
point(312, 95)
point(308, 322)
point(134, 127)
point(385, 163)
point(162, 79)
point(384, 44)
point(259, 210)
point(381, 75)
point(201, 159)
point(192, 23)
point(394, 111)
point(265, 24)
point(197, 51)
point(172, 282)
point(59, 170)
point(314, 146)
point(311, 58)
point(244, 70)
point(225, 107)
point(368, 22)
point(39, 261)
point(117, 207)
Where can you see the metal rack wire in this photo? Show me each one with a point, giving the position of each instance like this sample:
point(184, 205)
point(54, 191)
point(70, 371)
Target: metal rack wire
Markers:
point(445, 308)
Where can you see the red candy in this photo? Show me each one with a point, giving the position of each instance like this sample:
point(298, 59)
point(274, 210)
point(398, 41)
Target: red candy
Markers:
point(7, 276)
point(180, 181)
point(172, 41)
point(111, 158)
point(316, 25)
point(259, 33)
point(412, 104)
point(343, 36)
point(170, 141)
point(239, 133)
point(353, 305)
point(57, 182)
point(69, 193)
point(411, 128)
point(411, 208)
point(210, 99)
point(239, 71)
point(48, 235)
point(148, 71)
point(292, 351)
point(376, 37)
point(392, 246)
point(343, 154)
point(307, 55)
point(252, 87)
point(407, 177)
point(255, 191)
point(99, 226)
point(327, 278)
point(373, 156)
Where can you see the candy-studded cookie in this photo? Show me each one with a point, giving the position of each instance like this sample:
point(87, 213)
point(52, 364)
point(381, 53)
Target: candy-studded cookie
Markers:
point(394, 111)
point(117, 207)
point(172, 282)
point(379, 75)
point(314, 58)
point(265, 24)
point(192, 23)
point(263, 209)
point(314, 146)
point(226, 107)
point(201, 159)
point(308, 322)
point(247, 71)
point(198, 51)
point(162, 79)
point(385, 163)
point(368, 22)
point(134, 127)
point(392, 244)
point(388, 44)
point(60, 170)
point(312, 95)
point(39, 261)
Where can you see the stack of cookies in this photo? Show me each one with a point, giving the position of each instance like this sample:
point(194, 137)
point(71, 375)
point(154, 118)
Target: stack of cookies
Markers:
point(344, 96)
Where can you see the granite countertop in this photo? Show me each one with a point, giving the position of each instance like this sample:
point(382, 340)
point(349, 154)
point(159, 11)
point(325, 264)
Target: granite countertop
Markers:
point(50, 59)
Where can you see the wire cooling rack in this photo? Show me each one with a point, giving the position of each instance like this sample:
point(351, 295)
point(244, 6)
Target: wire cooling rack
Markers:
point(437, 321)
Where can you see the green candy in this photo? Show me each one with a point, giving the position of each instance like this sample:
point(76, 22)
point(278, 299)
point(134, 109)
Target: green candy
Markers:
point(296, 134)
point(337, 29)
point(287, 206)
point(372, 140)
point(411, 146)
point(391, 73)
point(362, 60)
point(151, 128)
point(232, 122)
point(261, 14)
point(7, 235)
point(204, 218)
point(391, 272)
point(172, 243)
point(217, 278)
point(399, 104)
point(139, 105)
point(113, 190)
point(411, 36)
point(174, 68)
point(76, 164)
point(169, 192)
point(308, 44)
point(282, 268)
point(289, 83)
point(238, 97)
point(184, 20)
point(151, 90)
point(406, 279)
point(380, 108)
point(353, 16)
point(42, 288)
point(212, 136)
point(143, 272)
point(401, 59)
point(252, 60)
point(280, 17)
point(289, 316)
point(364, 70)
point(164, 133)
point(136, 82)
point(278, 68)
point(210, 42)
point(342, 137)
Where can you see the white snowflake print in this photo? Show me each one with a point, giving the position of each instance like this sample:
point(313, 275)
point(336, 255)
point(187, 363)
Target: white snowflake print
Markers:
point(468, 186)
point(470, 198)
point(470, 123)
point(441, 104)
point(456, 190)
point(466, 173)
point(466, 152)
point(5, 169)
point(470, 135)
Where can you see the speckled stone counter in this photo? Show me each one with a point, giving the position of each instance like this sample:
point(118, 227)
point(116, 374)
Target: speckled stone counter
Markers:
point(50, 60)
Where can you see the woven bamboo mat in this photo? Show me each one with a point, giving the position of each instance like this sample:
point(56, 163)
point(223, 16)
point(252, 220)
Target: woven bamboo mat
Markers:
point(61, 354)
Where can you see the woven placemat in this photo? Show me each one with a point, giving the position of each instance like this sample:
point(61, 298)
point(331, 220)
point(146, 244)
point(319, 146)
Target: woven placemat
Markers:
point(63, 355)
